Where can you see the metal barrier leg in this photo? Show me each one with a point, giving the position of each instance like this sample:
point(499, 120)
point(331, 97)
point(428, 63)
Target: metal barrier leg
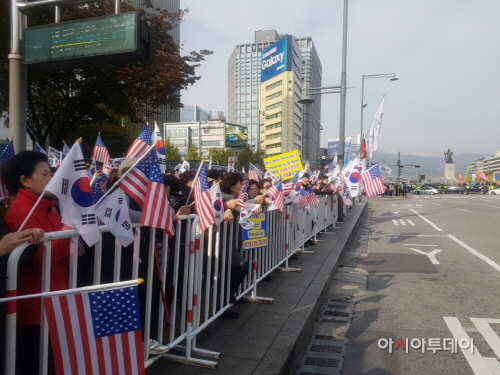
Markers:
point(254, 297)
point(302, 249)
point(288, 253)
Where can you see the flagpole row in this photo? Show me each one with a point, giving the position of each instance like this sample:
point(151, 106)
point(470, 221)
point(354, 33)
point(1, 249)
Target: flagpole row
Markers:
point(126, 173)
point(91, 288)
point(31, 211)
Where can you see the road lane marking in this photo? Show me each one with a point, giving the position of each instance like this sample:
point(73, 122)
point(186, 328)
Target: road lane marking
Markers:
point(428, 221)
point(437, 204)
point(476, 253)
point(395, 222)
point(403, 222)
point(461, 209)
point(476, 360)
point(416, 244)
point(484, 327)
point(430, 255)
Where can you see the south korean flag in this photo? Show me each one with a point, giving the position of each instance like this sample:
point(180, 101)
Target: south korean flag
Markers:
point(71, 185)
point(113, 212)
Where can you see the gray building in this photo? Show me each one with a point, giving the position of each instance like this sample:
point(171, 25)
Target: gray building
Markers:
point(194, 113)
point(243, 89)
point(183, 135)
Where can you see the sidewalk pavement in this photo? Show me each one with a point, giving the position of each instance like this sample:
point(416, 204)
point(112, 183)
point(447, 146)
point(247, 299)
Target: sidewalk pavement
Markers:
point(270, 338)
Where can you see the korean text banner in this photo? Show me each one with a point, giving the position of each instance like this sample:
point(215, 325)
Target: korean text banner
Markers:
point(274, 59)
point(284, 165)
point(257, 236)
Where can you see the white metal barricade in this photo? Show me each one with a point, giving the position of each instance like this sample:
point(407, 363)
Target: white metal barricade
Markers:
point(198, 267)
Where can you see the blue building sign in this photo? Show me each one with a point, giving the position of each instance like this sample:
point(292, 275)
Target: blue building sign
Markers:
point(333, 148)
point(275, 59)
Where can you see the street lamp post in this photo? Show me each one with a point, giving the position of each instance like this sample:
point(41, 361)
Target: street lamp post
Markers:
point(392, 77)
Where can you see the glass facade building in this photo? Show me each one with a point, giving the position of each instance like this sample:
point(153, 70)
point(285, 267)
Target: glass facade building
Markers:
point(244, 79)
point(194, 113)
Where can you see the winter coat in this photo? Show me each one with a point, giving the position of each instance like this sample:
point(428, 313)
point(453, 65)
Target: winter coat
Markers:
point(30, 273)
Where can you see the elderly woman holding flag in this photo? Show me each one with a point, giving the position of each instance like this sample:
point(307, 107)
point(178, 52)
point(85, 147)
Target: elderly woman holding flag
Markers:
point(26, 175)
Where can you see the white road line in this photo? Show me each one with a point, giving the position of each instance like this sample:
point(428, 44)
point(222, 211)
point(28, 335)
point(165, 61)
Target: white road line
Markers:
point(416, 244)
point(428, 221)
point(461, 209)
point(430, 255)
point(437, 204)
point(402, 222)
point(493, 365)
point(410, 222)
point(395, 222)
point(483, 326)
point(495, 206)
point(476, 253)
point(476, 360)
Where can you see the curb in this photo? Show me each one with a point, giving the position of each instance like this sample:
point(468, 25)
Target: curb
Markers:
point(291, 343)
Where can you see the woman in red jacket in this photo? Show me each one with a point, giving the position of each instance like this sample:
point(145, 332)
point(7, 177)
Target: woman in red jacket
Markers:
point(26, 176)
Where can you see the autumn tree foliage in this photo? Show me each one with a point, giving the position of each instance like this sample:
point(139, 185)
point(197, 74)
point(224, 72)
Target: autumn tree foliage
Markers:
point(67, 102)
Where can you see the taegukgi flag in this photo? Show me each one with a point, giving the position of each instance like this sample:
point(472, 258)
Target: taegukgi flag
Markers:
point(72, 186)
point(113, 211)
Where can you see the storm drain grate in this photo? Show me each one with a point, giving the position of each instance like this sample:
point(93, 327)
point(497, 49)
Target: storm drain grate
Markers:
point(324, 356)
point(338, 311)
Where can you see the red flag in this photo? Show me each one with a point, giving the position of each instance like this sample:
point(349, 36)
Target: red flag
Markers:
point(202, 200)
point(362, 151)
point(96, 333)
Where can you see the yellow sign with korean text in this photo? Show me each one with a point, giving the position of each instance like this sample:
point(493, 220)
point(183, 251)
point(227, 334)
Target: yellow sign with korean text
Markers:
point(284, 165)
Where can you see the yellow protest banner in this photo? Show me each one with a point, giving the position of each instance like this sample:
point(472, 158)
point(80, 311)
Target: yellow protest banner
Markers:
point(284, 165)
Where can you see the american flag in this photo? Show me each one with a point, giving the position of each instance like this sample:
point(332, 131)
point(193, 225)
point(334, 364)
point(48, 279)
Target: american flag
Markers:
point(243, 195)
point(156, 210)
point(311, 196)
point(39, 148)
point(160, 148)
point(140, 145)
point(100, 152)
point(135, 183)
point(254, 173)
point(372, 182)
point(96, 333)
point(7, 153)
point(303, 201)
point(96, 190)
point(276, 192)
point(202, 200)
point(292, 184)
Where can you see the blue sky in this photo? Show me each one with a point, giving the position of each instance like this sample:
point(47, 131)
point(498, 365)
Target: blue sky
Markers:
point(445, 53)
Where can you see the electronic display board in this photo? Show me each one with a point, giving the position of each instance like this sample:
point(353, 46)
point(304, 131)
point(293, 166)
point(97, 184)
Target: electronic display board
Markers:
point(92, 41)
point(236, 136)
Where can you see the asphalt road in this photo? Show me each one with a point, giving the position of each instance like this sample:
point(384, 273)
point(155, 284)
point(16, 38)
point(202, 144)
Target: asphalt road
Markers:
point(434, 273)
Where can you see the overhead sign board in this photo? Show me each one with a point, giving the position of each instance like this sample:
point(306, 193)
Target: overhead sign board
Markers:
point(92, 41)
point(284, 165)
point(333, 148)
point(275, 58)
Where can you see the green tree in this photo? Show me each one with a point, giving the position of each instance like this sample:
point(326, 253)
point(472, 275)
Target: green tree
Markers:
point(245, 157)
point(59, 101)
point(192, 154)
point(171, 151)
point(220, 155)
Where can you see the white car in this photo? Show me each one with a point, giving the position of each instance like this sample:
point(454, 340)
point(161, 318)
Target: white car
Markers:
point(494, 191)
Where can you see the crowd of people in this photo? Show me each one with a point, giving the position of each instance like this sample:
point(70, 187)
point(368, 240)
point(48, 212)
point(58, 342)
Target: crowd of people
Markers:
point(26, 176)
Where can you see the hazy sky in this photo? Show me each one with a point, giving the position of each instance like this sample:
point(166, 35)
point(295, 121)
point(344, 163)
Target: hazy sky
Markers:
point(446, 54)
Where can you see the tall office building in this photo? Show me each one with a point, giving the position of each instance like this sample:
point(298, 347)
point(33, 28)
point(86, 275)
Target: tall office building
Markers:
point(164, 113)
point(194, 113)
point(311, 77)
point(280, 91)
point(244, 79)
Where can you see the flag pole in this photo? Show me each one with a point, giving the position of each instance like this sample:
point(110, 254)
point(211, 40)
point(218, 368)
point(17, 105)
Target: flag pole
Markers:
point(31, 211)
point(93, 179)
point(195, 177)
point(90, 288)
point(126, 173)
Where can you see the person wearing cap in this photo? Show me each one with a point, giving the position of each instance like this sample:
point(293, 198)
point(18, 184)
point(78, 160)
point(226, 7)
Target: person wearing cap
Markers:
point(212, 177)
point(305, 180)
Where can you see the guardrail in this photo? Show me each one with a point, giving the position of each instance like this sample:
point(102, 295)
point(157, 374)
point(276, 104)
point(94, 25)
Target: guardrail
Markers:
point(199, 273)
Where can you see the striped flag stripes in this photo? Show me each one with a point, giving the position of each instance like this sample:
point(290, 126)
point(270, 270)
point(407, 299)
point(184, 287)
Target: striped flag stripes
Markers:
point(100, 152)
point(140, 145)
point(372, 182)
point(202, 200)
point(135, 183)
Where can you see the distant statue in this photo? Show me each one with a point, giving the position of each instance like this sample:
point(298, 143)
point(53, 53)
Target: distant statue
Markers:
point(447, 155)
